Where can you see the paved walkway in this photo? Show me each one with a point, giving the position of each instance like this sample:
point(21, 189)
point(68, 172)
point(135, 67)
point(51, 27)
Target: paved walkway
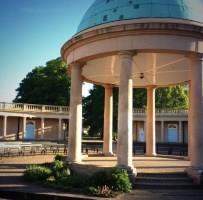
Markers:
point(145, 164)
point(11, 170)
point(163, 195)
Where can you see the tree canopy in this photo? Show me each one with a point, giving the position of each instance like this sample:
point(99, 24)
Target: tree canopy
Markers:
point(93, 109)
point(45, 85)
point(172, 97)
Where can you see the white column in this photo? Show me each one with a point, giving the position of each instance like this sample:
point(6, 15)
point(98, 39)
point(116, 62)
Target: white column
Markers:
point(4, 127)
point(196, 118)
point(75, 121)
point(145, 130)
point(196, 111)
point(60, 129)
point(151, 133)
point(24, 126)
point(162, 132)
point(180, 135)
point(42, 128)
point(108, 121)
point(125, 113)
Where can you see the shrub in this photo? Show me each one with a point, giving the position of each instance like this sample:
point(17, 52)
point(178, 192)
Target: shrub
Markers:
point(37, 173)
point(73, 181)
point(120, 180)
point(105, 183)
point(101, 191)
point(58, 157)
point(100, 178)
point(59, 169)
point(116, 179)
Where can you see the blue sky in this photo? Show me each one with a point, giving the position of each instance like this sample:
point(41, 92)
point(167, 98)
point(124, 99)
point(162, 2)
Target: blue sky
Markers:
point(31, 33)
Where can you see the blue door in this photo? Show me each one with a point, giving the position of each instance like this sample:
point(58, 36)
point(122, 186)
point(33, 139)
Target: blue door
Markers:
point(30, 131)
point(172, 133)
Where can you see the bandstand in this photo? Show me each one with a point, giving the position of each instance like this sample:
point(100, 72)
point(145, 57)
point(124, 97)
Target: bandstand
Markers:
point(137, 44)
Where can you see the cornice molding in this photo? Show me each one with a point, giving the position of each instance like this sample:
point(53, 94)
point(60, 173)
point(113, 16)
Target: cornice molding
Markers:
point(131, 29)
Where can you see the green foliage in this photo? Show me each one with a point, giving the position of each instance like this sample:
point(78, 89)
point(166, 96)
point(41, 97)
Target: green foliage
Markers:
point(139, 98)
point(172, 97)
point(115, 179)
point(59, 170)
point(121, 181)
point(45, 85)
point(73, 181)
point(105, 183)
point(93, 111)
point(37, 173)
point(101, 178)
point(58, 157)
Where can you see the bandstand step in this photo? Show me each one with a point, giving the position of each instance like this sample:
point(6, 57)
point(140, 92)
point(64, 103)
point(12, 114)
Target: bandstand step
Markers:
point(163, 181)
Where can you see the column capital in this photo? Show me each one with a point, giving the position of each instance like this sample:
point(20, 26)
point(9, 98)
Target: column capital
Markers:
point(126, 54)
point(108, 86)
point(76, 65)
point(150, 87)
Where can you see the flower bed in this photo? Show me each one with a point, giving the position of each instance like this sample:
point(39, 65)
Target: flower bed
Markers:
point(104, 183)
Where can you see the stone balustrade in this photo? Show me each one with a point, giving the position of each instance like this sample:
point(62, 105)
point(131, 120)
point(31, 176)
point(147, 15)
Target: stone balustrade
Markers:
point(162, 112)
point(27, 108)
point(20, 107)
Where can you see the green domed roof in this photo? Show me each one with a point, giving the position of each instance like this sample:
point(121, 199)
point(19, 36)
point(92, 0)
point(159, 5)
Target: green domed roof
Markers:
point(105, 11)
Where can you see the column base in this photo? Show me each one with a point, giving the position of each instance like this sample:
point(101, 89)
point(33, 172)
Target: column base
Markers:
point(196, 174)
point(151, 154)
point(71, 161)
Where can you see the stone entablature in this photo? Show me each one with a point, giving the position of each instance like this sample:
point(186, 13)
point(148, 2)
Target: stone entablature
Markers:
point(134, 28)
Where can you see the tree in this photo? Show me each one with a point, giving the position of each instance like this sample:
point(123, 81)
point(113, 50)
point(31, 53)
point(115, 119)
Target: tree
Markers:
point(93, 109)
point(171, 97)
point(45, 85)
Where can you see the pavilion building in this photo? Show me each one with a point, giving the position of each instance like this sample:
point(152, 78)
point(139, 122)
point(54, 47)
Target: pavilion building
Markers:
point(50, 123)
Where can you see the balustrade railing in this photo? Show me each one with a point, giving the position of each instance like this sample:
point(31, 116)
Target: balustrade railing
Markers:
point(20, 107)
point(161, 112)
